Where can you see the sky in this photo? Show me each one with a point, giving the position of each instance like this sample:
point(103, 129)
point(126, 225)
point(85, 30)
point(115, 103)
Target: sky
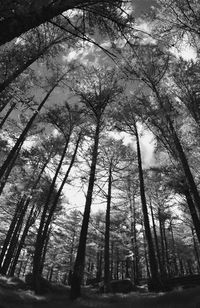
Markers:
point(77, 197)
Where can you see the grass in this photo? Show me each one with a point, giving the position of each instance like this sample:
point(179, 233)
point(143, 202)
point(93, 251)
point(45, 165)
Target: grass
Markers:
point(16, 298)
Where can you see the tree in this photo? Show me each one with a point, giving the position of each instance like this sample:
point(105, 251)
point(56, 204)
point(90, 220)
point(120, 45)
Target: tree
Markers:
point(9, 161)
point(96, 91)
point(43, 44)
point(126, 120)
point(18, 18)
point(67, 130)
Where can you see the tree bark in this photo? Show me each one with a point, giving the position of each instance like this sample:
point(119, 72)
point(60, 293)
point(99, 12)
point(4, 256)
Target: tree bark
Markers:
point(156, 242)
point(26, 18)
point(25, 131)
point(40, 239)
point(9, 168)
point(14, 239)
point(21, 242)
point(78, 271)
point(7, 113)
point(107, 235)
point(11, 228)
point(155, 281)
point(193, 212)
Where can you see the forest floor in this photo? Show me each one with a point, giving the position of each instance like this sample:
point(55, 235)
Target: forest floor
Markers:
point(13, 297)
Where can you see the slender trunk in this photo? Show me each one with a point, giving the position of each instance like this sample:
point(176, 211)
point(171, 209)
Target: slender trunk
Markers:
point(145, 254)
point(134, 242)
point(58, 194)
point(78, 272)
point(19, 22)
point(156, 241)
point(193, 212)
point(11, 228)
point(162, 243)
point(174, 251)
point(22, 137)
point(22, 241)
point(181, 154)
point(22, 68)
point(7, 113)
point(195, 248)
point(155, 282)
point(44, 251)
point(117, 265)
point(107, 235)
point(99, 265)
point(40, 239)
point(166, 249)
point(14, 239)
point(9, 168)
point(186, 168)
point(44, 225)
point(112, 261)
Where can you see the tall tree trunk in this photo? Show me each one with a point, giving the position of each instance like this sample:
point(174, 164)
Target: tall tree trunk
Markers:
point(181, 154)
point(134, 241)
point(156, 242)
point(21, 243)
point(186, 168)
point(33, 15)
point(78, 271)
point(193, 212)
point(174, 251)
point(155, 281)
point(195, 248)
point(107, 235)
point(166, 249)
point(44, 227)
point(9, 168)
point(58, 194)
point(145, 253)
point(22, 137)
point(14, 239)
point(99, 265)
point(44, 251)
point(11, 228)
point(162, 242)
point(40, 239)
point(23, 67)
point(7, 113)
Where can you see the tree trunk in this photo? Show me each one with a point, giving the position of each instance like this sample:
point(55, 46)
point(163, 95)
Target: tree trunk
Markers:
point(22, 68)
point(11, 228)
point(29, 17)
point(155, 281)
point(22, 241)
point(193, 212)
point(156, 242)
point(195, 248)
point(9, 168)
point(7, 113)
point(174, 251)
point(14, 239)
point(134, 242)
point(44, 225)
point(24, 133)
point(58, 194)
point(107, 235)
point(78, 271)
point(166, 249)
point(40, 239)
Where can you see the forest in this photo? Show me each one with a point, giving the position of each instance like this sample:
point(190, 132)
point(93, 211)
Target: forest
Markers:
point(99, 141)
